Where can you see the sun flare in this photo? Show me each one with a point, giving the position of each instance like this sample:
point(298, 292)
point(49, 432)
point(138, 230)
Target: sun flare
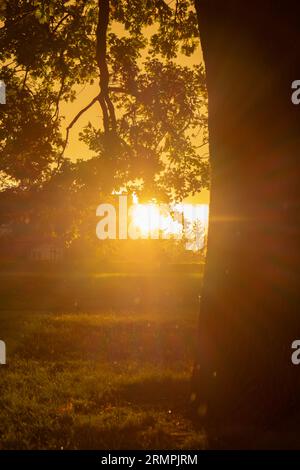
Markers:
point(153, 219)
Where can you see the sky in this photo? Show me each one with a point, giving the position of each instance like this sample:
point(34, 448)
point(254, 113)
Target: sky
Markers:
point(77, 149)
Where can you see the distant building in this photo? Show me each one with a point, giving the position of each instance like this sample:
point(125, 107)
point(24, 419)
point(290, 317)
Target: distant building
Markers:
point(50, 251)
point(17, 245)
point(5, 229)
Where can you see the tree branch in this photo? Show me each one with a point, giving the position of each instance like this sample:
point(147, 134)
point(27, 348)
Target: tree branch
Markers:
point(109, 118)
point(60, 22)
point(72, 123)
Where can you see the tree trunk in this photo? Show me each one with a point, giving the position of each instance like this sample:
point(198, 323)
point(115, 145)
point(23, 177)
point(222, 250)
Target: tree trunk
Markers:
point(250, 308)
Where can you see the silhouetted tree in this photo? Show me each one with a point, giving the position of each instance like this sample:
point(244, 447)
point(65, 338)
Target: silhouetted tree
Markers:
point(251, 295)
point(153, 109)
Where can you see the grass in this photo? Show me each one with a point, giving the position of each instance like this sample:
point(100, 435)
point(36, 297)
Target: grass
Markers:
point(106, 377)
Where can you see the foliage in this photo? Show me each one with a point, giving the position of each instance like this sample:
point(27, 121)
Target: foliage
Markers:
point(156, 107)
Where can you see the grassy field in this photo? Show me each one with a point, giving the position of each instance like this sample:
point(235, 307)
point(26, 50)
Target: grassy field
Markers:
point(98, 363)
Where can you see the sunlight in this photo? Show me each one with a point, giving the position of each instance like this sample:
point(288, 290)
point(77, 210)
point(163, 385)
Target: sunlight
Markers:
point(152, 219)
point(145, 217)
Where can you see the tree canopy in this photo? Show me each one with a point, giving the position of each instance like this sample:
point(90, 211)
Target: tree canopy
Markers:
point(153, 109)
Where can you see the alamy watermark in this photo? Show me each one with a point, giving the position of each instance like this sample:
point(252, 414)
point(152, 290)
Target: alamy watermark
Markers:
point(155, 221)
point(295, 346)
point(295, 357)
point(2, 353)
point(2, 92)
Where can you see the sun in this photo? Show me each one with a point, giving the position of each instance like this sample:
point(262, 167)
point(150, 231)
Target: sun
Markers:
point(151, 220)
point(146, 218)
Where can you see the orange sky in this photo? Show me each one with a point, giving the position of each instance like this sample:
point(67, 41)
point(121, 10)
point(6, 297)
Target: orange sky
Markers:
point(76, 148)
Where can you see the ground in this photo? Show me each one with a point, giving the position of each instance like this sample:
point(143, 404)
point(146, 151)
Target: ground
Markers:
point(98, 362)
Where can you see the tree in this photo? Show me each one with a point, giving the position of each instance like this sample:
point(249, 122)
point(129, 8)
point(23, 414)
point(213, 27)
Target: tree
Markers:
point(251, 295)
point(152, 107)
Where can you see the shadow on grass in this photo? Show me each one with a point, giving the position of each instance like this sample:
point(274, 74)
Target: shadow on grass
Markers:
point(61, 340)
point(102, 381)
point(166, 392)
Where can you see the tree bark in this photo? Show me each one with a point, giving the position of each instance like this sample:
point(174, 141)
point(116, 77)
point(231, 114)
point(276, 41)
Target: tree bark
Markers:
point(250, 307)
